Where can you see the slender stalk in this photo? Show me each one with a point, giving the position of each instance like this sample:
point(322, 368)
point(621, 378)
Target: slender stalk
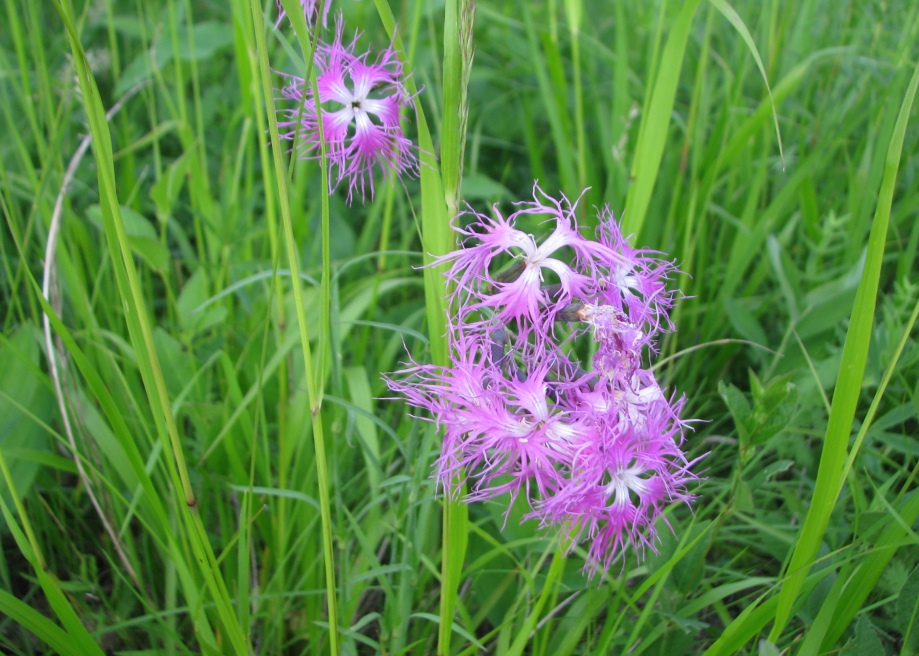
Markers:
point(49, 276)
point(313, 382)
point(457, 64)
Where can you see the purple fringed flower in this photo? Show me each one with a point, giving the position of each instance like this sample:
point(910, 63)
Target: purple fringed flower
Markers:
point(593, 449)
point(639, 284)
point(621, 483)
point(518, 293)
point(360, 105)
point(310, 9)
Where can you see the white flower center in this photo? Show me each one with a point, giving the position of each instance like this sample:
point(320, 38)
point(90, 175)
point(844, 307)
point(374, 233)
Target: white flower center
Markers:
point(626, 480)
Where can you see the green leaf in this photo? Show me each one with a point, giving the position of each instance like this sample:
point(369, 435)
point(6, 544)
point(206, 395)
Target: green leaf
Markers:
point(141, 235)
point(743, 320)
point(41, 458)
point(769, 471)
point(739, 408)
point(150, 251)
point(743, 498)
point(655, 122)
point(25, 400)
point(43, 628)
point(865, 642)
point(135, 224)
point(908, 612)
point(166, 190)
point(178, 365)
point(774, 407)
point(481, 187)
point(208, 37)
point(735, 20)
point(856, 580)
point(767, 648)
point(361, 396)
point(830, 303)
point(194, 294)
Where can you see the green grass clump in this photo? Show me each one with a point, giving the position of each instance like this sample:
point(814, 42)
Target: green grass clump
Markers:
point(209, 462)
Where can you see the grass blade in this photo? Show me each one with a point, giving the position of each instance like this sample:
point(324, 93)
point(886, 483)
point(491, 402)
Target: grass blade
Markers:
point(556, 569)
point(41, 626)
point(735, 20)
point(140, 329)
point(31, 549)
point(650, 147)
point(849, 381)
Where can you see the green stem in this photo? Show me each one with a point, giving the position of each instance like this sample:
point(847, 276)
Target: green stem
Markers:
point(457, 61)
point(313, 382)
point(554, 574)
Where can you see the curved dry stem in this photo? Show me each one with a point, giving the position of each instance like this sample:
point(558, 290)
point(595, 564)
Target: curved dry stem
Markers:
point(52, 294)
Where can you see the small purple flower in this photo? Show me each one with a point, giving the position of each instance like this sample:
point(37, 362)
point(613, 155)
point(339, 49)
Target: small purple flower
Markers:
point(594, 450)
point(310, 9)
point(621, 483)
point(525, 438)
point(360, 105)
point(639, 284)
point(518, 293)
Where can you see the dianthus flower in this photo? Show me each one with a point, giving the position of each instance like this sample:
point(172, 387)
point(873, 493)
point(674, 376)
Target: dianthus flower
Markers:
point(310, 10)
point(518, 293)
point(594, 449)
point(360, 104)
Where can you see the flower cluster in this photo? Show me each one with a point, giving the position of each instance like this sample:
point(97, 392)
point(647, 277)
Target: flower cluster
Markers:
point(593, 449)
point(357, 106)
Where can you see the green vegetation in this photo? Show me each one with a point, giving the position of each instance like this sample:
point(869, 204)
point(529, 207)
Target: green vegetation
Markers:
point(212, 449)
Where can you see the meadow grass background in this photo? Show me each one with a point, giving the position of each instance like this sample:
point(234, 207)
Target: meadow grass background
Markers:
point(162, 488)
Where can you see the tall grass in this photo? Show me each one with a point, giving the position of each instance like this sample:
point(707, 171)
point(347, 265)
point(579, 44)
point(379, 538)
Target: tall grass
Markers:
point(198, 453)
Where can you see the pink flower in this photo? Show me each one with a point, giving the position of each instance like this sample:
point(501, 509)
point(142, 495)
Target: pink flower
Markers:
point(310, 11)
point(639, 284)
point(620, 483)
point(524, 439)
point(594, 450)
point(360, 105)
point(518, 294)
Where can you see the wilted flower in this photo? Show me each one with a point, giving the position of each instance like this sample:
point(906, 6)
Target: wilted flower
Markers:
point(360, 105)
point(595, 450)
